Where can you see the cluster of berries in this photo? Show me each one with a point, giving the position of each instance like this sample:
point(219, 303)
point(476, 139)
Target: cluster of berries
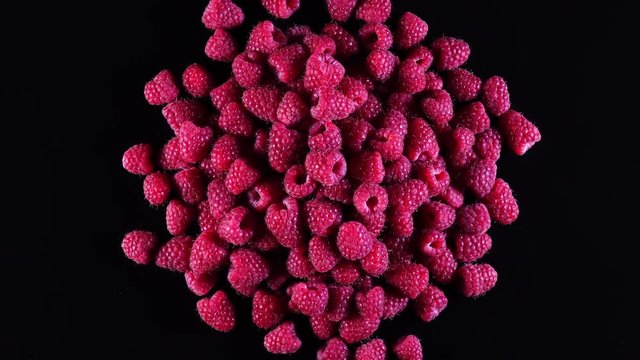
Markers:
point(340, 175)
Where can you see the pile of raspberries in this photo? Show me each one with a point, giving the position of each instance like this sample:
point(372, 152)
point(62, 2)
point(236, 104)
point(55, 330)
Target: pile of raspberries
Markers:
point(342, 175)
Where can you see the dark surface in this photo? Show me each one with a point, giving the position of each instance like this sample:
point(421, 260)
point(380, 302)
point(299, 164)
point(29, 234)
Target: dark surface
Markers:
point(72, 101)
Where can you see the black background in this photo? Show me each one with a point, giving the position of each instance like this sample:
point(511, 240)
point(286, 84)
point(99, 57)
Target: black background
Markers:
point(72, 103)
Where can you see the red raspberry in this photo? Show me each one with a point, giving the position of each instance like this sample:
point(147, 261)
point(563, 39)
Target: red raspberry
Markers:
point(374, 10)
point(292, 108)
point(342, 192)
point(401, 223)
point(473, 218)
point(248, 68)
point(462, 84)
point(373, 350)
point(471, 247)
point(401, 249)
point(452, 197)
point(298, 264)
point(394, 304)
point(139, 246)
point(370, 198)
point(346, 272)
point(474, 117)
point(388, 142)
point(284, 222)
point(519, 133)
point(241, 177)
point(354, 240)
point(442, 266)
point(356, 328)
point(408, 348)
point(397, 171)
point(367, 166)
point(179, 111)
point(263, 194)
point(421, 143)
point(207, 254)
point(327, 168)
point(206, 221)
point(283, 339)
point(218, 311)
point(262, 102)
point(138, 159)
point(430, 303)
point(282, 9)
point(340, 10)
point(370, 303)
point(174, 254)
point(488, 145)
point(322, 327)
point(433, 81)
point(411, 31)
point(322, 217)
point(265, 38)
point(202, 284)
point(285, 146)
point(194, 141)
point(288, 62)
point(220, 199)
point(450, 52)
point(381, 64)
point(330, 104)
point(197, 80)
point(420, 55)
point(502, 206)
point(375, 36)
point(157, 188)
point(265, 242)
point(267, 309)
point(322, 70)
point(297, 183)
point(376, 262)
point(409, 279)
point(432, 243)
point(224, 151)
point(403, 102)
point(323, 254)
point(228, 92)
point(339, 302)
point(460, 144)
point(346, 44)
point(479, 177)
point(476, 279)
point(334, 349)
point(495, 95)
point(162, 89)
point(310, 298)
point(408, 196)
point(324, 136)
point(237, 226)
point(319, 44)
point(235, 120)
point(221, 46)
point(190, 185)
point(179, 217)
point(438, 106)
point(222, 14)
point(411, 78)
point(374, 222)
point(248, 269)
point(355, 133)
point(354, 90)
point(434, 174)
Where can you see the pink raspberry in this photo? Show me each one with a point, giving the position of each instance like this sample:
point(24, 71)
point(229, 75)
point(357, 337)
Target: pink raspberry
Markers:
point(460, 143)
point(372, 350)
point(411, 78)
point(381, 64)
point(420, 55)
point(265, 242)
point(375, 36)
point(452, 197)
point(262, 102)
point(374, 222)
point(220, 199)
point(519, 133)
point(328, 104)
point(346, 44)
point(354, 240)
point(323, 254)
point(411, 30)
point(340, 10)
point(195, 141)
point(248, 269)
point(235, 120)
point(473, 218)
point(197, 80)
point(433, 81)
point(227, 92)
point(339, 302)
point(284, 222)
point(263, 194)
point(370, 303)
point(296, 32)
point(438, 106)
point(342, 192)
point(421, 143)
point(201, 284)
point(222, 14)
point(479, 177)
point(450, 52)
point(430, 303)
point(179, 111)
point(401, 249)
point(298, 264)
point(189, 184)
point(376, 262)
point(367, 166)
point(401, 222)
point(474, 117)
point(248, 68)
point(397, 171)
point(206, 221)
point(488, 145)
point(283, 339)
point(394, 304)
point(224, 151)
point(322, 327)
point(297, 183)
point(476, 279)
point(462, 84)
point(162, 89)
point(237, 227)
point(174, 254)
point(355, 133)
point(396, 121)
point(310, 298)
point(442, 266)
point(327, 168)
point(208, 253)
point(434, 173)
point(408, 348)
point(138, 159)
point(324, 136)
point(281, 9)
point(322, 217)
point(407, 196)
point(502, 206)
point(370, 198)
point(288, 62)
point(265, 38)
point(285, 146)
point(218, 311)
point(157, 188)
point(409, 279)
point(471, 247)
point(179, 217)
point(267, 309)
point(374, 10)
point(241, 176)
point(495, 95)
point(319, 44)
point(139, 246)
point(346, 272)
point(431, 243)
point(403, 102)
point(292, 108)
point(322, 70)
point(388, 142)
point(356, 328)
point(221, 46)
point(334, 349)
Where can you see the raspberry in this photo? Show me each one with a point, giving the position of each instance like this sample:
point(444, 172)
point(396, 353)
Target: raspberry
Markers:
point(297, 183)
point(139, 246)
point(388, 142)
point(370, 303)
point(411, 78)
point(432, 243)
point(179, 217)
point(397, 171)
point(479, 177)
point(442, 266)
point(370, 198)
point(265, 242)
point(430, 303)
point(488, 145)
point(138, 159)
point(329, 104)
point(460, 144)
point(381, 64)
point(174, 254)
point(241, 177)
point(433, 81)
point(452, 197)
point(221, 46)
point(501, 204)
point(265, 38)
point(298, 264)
point(421, 143)
point(261, 143)
point(248, 68)
point(373, 350)
point(197, 80)
point(285, 146)
point(162, 89)
point(411, 30)
point(218, 311)
point(345, 272)
point(282, 9)
point(495, 95)
point(310, 298)
point(471, 247)
point(421, 56)
point(334, 349)
point(462, 84)
point(407, 196)
point(394, 304)
point(157, 188)
point(401, 222)
point(346, 44)
point(450, 52)
point(248, 269)
point(376, 262)
point(473, 218)
point(202, 284)
point(474, 117)
point(324, 136)
point(356, 328)
point(228, 92)
point(208, 253)
point(342, 192)
point(235, 120)
point(323, 254)
point(476, 279)
point(283, 339)
point(224, 151)
point(237, 227)
point(409, 279)
point(322, 217)
point(194, 141)
point(402, 102)
point(374, 222)
point(179, 111)
point(322, 328)
point(220, 199)
point(367, 166)
point(401, 249)
point(354, 240)
point(327, 168)
point(375, 36)
point(438, 106)
point(340, 10)
point(222, 14)
point(296, 32)
point(374, 10)
point(189, 184)
point(339, 301)
point(434, 174)
point(288, 62)
point(355, 133)
point(262, 102)
point(408, 348)
point(322, 70)
point(284, 222)
point(267, 309)
point(206, 221)
point(519, 133)
point(319, 44)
